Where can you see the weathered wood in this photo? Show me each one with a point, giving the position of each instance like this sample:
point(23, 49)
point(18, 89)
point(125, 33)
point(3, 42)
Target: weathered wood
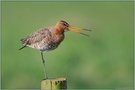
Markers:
point(54, 83)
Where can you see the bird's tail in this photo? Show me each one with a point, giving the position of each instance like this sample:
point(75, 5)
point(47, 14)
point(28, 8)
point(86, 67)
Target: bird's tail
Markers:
point(23, 42)
point(22, 47)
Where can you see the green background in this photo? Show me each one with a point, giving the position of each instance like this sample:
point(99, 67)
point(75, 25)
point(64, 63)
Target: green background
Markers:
point(103, 60)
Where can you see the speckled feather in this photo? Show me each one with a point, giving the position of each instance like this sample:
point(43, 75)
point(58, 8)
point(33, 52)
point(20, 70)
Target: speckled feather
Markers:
point(42, 39)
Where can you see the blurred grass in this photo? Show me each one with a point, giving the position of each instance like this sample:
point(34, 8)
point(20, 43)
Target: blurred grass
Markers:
point(104, 60)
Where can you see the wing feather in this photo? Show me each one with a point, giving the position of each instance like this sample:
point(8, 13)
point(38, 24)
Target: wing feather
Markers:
point(36, 37)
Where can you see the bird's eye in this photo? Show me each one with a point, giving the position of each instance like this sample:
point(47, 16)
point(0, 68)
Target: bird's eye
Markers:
point(65, 24)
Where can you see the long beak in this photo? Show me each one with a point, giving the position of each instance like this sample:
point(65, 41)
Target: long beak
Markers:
point(76, 29)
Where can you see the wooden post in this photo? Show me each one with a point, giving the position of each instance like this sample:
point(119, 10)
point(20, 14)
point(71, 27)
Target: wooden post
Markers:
point(54, 83)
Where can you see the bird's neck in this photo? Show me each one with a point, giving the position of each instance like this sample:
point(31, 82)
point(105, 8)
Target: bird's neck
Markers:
point(58, 35)
point(58, 30)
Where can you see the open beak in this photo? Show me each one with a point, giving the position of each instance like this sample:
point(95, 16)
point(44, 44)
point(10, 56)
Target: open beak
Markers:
point(76, 29)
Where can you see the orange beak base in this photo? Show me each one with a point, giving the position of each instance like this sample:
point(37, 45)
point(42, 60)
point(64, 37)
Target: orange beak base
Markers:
point(76, 29)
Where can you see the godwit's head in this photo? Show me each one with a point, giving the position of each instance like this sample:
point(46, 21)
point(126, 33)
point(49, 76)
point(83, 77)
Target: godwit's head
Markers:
point(64, 26)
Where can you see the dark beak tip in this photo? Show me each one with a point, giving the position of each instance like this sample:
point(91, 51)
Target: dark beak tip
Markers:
point(87, 29)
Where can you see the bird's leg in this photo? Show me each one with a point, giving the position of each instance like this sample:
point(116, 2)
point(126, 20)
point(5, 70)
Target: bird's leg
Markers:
point(43, 61)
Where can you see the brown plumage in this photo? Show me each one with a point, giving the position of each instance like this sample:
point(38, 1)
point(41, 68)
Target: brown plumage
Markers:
point(46, 39)
point(49, 38)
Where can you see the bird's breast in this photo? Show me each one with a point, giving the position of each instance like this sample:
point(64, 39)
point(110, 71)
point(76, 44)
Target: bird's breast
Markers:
point(51, 44)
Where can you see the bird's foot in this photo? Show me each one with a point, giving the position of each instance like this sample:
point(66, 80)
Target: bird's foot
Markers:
point(45, 78)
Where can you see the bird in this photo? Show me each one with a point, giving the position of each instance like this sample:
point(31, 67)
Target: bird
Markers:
point(49, 38)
